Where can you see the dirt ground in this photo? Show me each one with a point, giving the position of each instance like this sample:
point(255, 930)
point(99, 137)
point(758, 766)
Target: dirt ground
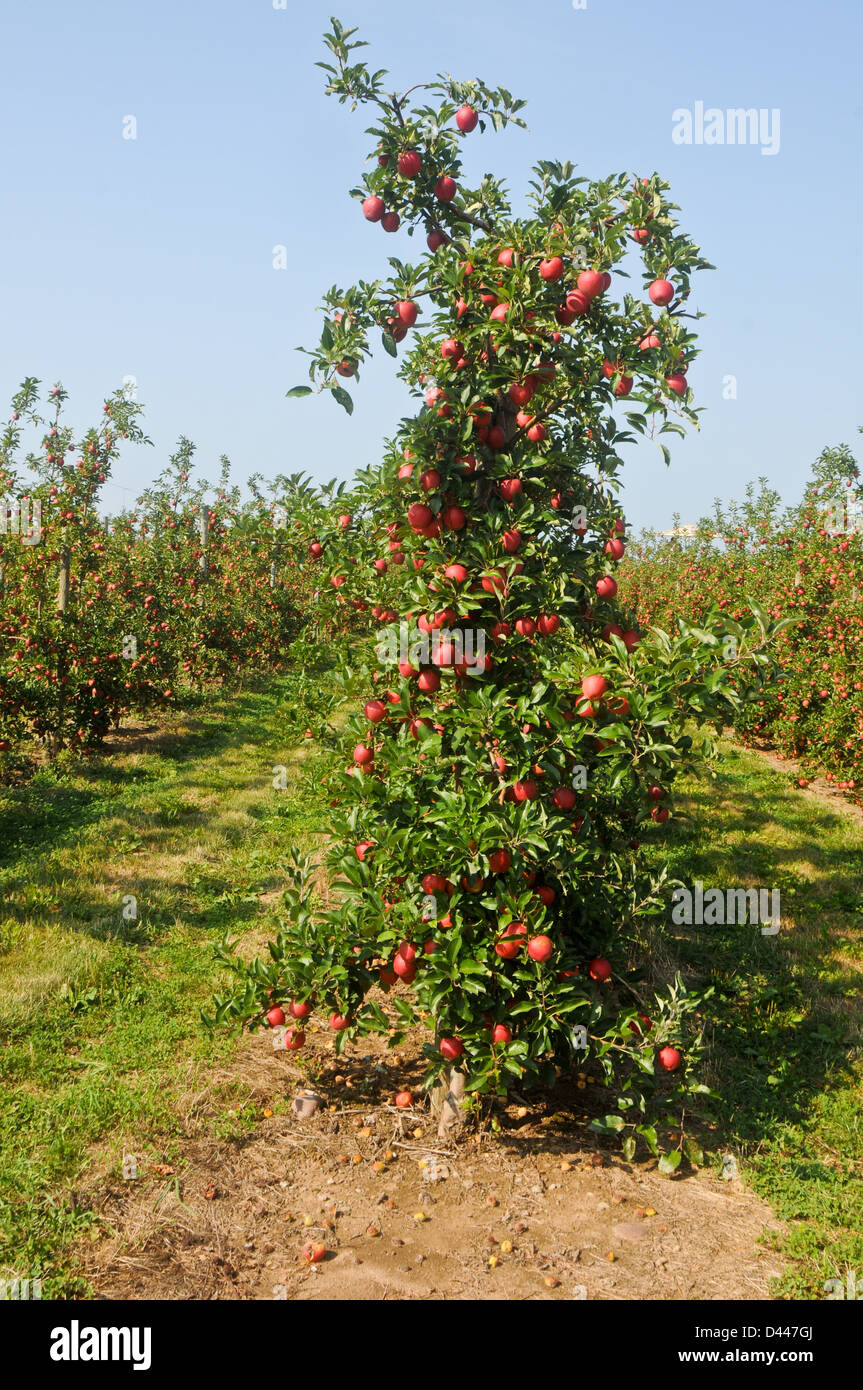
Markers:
point(540, 1209)
point(814, 788)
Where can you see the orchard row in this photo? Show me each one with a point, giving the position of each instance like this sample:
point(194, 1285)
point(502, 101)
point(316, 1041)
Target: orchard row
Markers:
point(100, 618)
point(804, 565)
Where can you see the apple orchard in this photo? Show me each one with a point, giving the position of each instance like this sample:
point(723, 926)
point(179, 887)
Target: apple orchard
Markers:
point(518, 738)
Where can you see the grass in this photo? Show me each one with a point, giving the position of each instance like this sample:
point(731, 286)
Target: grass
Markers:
point(100, 1039)
point(785, 1039)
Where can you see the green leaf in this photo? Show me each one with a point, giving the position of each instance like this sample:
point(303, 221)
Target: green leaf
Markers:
point(607, 1124)
point(389, 343)
point(341, 395)
point(670, 1162)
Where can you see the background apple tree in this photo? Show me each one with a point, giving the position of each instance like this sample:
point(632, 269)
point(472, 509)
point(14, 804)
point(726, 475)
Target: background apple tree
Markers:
point(518, 737)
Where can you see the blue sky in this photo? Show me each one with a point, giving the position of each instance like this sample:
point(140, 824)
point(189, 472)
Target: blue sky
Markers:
point(153, 257)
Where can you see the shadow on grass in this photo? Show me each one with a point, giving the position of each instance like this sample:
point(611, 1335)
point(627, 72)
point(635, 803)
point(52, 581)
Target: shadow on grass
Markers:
point(59, 805)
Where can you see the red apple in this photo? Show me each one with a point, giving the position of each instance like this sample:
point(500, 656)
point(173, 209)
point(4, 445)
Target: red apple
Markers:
point(299, 1008)
point(276, 1017)
point(501, 1034)
point(445, 189)
point(496, 437)
point(409, 164)
point(511, 540)
point(373, 209)
point(407, 312)
point(429, 681)
point(563, 798)
point(590, 283)
point(669, 1058)
point(450, 1048)
point(339, 1023)
point(606, 587)
point(520, 393)
point(551, 269)
point(510, 488)
point(577, 303)
point(540, 948)
point(661, 291)
point(405, 969)
point(548, 624)
point(499, 861)
point(390, 221)
point(593, 687)
point(509, 944)
point(526, 790)
point(599, 969)
point(466, 119)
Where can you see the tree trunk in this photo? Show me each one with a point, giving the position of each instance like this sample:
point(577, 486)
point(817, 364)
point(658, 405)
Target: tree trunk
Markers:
point(204, 530)
point(63, 587)
point(448, 1103)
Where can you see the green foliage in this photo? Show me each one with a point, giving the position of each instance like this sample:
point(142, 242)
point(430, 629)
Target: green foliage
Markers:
point(801, 568)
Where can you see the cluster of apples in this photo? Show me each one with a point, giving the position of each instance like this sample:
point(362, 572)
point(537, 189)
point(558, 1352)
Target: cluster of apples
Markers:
point(299, 1009)
point(409, 164)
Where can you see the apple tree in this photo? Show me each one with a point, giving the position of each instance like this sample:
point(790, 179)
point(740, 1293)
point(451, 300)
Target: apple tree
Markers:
point(519, 739)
